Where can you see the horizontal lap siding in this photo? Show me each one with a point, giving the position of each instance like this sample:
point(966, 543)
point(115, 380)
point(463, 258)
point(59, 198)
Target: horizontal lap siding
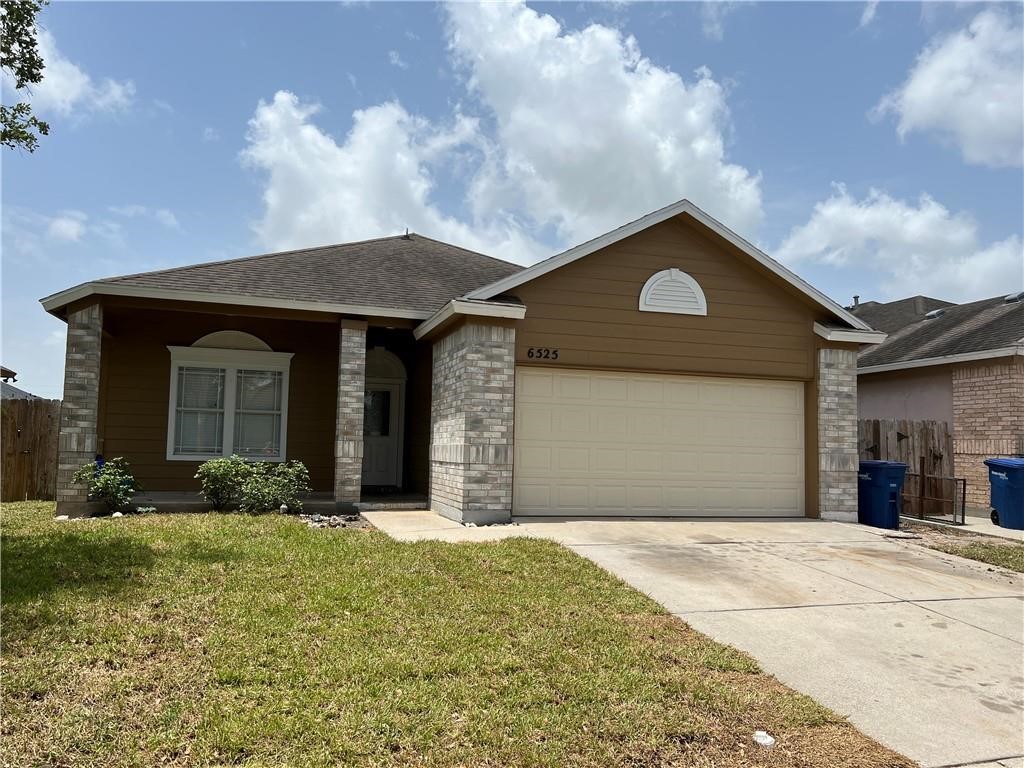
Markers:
point(588, 312)
point(135, 372)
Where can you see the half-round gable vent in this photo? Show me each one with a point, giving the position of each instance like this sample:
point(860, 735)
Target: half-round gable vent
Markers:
point(672, 290)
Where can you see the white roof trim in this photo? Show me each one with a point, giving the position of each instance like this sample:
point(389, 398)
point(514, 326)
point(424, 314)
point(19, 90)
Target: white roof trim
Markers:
point(830, 333)
point(924, 362)
point(683, 206)
point(466, 307)
point(58, 300)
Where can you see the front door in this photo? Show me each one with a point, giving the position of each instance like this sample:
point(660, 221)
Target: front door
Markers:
point(382, 413)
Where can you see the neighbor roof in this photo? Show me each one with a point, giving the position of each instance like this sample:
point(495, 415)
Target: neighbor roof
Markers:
point(977, 330)
point(893, 315)
point(411, 275)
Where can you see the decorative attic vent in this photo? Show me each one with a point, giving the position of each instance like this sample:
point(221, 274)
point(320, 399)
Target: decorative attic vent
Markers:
point(672, 290)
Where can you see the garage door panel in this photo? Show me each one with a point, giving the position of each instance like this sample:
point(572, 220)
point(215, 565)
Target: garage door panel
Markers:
point(592, 443)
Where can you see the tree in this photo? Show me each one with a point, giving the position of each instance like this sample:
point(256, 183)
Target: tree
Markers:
point(22, 64)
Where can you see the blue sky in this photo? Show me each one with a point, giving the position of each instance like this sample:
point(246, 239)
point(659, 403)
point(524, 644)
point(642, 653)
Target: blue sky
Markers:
point(874, 148)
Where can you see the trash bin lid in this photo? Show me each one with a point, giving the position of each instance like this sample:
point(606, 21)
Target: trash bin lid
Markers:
point(876, 464)
point(1006, 463)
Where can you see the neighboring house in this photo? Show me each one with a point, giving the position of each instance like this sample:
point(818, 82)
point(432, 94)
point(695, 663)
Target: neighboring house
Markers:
point(667, 367)
point(10, 392)
point(958, 363)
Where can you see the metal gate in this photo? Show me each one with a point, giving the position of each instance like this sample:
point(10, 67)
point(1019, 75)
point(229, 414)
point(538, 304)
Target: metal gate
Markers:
point(933, 497)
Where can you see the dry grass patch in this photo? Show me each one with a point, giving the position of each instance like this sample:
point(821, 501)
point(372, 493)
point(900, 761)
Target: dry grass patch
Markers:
point(232, 640)
point(1004, 553)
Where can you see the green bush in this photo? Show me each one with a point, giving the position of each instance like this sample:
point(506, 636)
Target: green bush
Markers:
point(255, 486)
point(267, 486)
point(112, 483)
point(222, 480)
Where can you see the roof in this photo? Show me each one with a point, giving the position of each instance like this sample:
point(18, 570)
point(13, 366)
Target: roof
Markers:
point(507, 283)
point(411, 274)
point(11, 392)
point(7, 374)
point(893, 315)
point(977, 330)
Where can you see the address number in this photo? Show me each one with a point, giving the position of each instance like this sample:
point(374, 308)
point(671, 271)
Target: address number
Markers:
point(542, 353)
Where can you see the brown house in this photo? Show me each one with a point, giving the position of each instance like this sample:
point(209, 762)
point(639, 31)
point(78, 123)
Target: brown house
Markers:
point(962, 364)
point(668, 367)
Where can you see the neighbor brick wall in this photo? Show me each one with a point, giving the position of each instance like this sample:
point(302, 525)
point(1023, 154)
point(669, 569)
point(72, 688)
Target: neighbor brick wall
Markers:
point(988, 419)
point(348, 443)
point(471, 421)
point(77, 440)
point(837, 434)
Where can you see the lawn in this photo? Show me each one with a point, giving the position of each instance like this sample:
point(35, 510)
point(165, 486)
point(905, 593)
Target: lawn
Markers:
point(986, 549)
point(226, 639)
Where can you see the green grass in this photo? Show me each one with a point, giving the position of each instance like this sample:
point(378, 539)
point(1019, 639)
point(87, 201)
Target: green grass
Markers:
point(1008, 555)
point(225, 639)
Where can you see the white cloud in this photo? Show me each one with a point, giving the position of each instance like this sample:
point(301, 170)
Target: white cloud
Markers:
point(210, 134)
point(578, 134)
point(68, 226)
point(375, 183)
point(134, 210)
point(966, 88)
point(67, 89)
point(712, 17)
point(868, 15)
point(396, 60)
point(918, 247)
point(589, 133)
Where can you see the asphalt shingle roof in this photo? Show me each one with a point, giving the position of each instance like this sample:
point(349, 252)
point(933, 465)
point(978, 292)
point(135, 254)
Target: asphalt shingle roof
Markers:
point(961, 328)
point(410, 272)
point(893, 315)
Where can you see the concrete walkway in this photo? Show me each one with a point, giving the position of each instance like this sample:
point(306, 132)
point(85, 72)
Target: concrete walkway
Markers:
point(922, 651)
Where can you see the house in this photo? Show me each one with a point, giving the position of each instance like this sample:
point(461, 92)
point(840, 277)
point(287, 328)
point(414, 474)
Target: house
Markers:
point(667, 367)
point(962, 364)
point(10, 392)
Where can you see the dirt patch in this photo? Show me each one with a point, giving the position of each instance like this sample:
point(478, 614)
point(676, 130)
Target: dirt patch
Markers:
point(993, 550)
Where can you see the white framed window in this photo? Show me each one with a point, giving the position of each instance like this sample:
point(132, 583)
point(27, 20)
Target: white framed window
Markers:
point(225, 401)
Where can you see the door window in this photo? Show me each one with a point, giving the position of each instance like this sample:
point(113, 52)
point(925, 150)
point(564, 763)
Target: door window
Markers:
point(377, 413)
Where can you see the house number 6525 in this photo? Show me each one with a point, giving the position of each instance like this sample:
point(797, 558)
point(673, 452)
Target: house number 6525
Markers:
point(542, 353)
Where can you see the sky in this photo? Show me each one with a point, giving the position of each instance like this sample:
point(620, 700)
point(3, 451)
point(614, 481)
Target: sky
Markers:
point(873, 148)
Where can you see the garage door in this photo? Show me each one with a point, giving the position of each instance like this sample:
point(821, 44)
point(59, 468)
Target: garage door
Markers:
point(607, 444)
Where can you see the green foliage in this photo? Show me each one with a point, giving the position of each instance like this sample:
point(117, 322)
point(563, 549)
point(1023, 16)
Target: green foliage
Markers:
point(255, 486)
point(267, 486)
point(112, 483)
point(20, 59)
point(222, 480)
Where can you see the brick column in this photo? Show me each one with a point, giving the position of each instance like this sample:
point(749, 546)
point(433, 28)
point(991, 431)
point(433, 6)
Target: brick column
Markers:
point(988, 420)
point(471, 422)
point(78, 438)
point(837, 434)
point(348, 443)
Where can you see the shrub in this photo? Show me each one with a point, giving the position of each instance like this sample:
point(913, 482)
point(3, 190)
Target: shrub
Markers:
point(110, 482)
point(222, 480)
point(267, 486)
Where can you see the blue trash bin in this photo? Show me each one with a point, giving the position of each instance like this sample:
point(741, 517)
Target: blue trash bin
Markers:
point(879, 489)
point(1006, 481)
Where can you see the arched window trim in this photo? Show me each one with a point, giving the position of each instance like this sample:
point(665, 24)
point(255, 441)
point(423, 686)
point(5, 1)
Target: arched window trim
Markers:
point(674, 275)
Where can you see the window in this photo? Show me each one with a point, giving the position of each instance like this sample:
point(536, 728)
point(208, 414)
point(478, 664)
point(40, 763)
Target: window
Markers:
point(226, 401)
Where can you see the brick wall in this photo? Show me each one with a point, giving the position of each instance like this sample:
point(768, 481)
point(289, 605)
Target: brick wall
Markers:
point(348, 445)
point(837, 434)
point(988, 419)
point(77, 441)
point(471, 422)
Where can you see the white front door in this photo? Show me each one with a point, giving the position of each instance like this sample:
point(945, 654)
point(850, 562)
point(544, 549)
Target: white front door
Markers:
point(382, 427)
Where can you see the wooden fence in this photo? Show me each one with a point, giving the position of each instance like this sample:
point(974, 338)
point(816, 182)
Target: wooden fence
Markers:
point(909, 442)
point(28, 445)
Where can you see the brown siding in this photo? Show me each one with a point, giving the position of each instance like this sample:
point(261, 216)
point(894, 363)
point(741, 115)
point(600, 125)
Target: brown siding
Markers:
point(588, 311)
point(135, 378)
point(756, 326)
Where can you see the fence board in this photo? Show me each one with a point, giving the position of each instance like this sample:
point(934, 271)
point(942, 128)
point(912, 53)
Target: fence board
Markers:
point(909, 442)
point(28, 449)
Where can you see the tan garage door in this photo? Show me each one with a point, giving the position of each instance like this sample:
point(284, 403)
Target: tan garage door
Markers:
point(609, 444)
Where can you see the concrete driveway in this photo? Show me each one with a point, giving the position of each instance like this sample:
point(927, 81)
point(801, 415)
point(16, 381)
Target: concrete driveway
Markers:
point(922, 651)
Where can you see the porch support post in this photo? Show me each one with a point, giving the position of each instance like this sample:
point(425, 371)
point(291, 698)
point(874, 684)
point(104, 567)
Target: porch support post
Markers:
point(348, 444)
point(78, 437)
point(471, 421)
point(837, 434)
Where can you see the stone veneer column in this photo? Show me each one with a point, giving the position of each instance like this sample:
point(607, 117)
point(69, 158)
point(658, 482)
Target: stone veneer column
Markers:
point(78, 438)
point(471, 422)
point(988, 420)
point(837, 434)
point(348, 442)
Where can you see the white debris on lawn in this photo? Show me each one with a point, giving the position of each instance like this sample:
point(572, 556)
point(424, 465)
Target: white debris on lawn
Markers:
point(764, 739)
